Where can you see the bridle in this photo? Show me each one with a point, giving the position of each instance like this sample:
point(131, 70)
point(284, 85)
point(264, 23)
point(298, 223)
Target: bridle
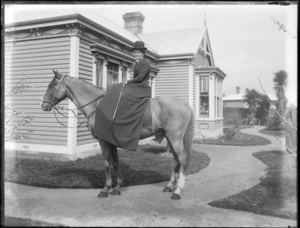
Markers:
point(52, 103)
point(54, 107)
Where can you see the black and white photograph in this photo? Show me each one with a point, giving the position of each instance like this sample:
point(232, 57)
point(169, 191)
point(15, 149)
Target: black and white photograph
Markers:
point(149, 114)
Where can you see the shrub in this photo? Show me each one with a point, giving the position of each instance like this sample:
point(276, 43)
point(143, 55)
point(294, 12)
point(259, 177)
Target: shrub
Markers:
point(275, 123)
point(229, 133)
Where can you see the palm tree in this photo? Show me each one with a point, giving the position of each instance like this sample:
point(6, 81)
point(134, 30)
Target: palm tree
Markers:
point(252, 98)
point(280, 82)
point(263, 110)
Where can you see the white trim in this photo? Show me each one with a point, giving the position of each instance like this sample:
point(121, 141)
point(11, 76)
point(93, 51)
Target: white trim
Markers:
point(210, 50)
point(191, 73)
point(120, 73)
point(221, 99)
point(105, 73)
point(201, 37)
point(153, 87)
point(74, 72)
point(15, 28)
point(94, 77)
point(36, 148)
point(179, 57)
point(197, 96)
point(127, 73)
point(211, 96)
point(113, 60)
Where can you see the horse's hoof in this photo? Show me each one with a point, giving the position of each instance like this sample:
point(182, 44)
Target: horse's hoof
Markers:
point(167, 189)
point(175, 196)
point(115, 192)
point(102, 195)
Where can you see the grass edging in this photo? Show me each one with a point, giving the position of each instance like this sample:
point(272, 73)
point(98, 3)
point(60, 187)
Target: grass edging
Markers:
point(239, 139)
point(275, 195)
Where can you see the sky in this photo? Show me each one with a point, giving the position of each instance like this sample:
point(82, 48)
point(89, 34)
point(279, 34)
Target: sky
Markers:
point(246, 42)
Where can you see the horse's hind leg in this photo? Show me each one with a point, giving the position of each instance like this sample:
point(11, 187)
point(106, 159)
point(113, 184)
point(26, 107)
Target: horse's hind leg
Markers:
point(180, 153)
point(173, 181)
point(106, 152)
point(182, 158)
point(115, 162)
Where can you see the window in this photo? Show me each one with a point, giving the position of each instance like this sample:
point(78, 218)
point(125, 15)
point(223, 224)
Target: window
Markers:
point(124, 73)
point(203, 96)
point(151, 81)
point(112, 74)
point(99, 73)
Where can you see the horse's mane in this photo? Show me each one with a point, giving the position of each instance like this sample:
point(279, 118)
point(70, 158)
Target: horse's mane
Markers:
point(87, 82)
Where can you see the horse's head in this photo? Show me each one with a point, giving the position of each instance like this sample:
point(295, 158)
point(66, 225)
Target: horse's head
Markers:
point(56, 92)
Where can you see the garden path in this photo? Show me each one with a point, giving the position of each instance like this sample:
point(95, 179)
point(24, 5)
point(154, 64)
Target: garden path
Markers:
point(232, 169)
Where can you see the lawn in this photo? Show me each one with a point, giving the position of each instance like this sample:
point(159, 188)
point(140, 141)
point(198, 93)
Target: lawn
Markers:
point(275, 195)
point(138, 168)
point(272, 132)
point(239, 139)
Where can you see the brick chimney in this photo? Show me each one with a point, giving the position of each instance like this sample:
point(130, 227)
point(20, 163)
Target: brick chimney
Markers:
point(134, 22)
point(238, 89)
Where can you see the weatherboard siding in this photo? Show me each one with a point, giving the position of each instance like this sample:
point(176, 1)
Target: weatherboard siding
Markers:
point(201, 59)
point(84, 135)
point(172, 80)
point(32, 61)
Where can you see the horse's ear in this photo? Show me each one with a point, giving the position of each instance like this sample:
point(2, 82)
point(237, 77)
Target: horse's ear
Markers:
point(55, 72)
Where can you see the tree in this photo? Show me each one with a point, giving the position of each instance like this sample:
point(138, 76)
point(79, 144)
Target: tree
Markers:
point(252, 98)
point(280, 82)
point(263, 109)
point(15, 118)
point(276, 117)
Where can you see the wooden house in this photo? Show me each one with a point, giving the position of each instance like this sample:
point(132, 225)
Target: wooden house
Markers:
point(88, 46)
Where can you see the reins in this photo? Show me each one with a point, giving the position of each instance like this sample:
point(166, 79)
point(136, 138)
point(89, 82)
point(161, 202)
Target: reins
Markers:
point(72, 110)
point(54, 107)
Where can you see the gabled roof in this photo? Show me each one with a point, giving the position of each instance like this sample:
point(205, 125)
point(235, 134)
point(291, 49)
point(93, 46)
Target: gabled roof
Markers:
point(177, 42)
point(240, 97)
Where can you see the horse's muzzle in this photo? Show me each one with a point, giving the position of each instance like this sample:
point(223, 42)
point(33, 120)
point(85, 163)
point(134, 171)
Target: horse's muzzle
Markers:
point(46, 107)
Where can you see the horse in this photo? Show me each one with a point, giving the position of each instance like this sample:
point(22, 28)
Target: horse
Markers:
point(170, 115)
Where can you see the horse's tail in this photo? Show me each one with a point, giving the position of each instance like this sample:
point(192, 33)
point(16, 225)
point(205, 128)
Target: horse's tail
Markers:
point(188, 136)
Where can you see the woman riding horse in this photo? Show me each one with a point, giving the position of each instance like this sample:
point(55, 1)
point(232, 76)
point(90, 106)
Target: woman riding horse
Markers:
point(135, 117)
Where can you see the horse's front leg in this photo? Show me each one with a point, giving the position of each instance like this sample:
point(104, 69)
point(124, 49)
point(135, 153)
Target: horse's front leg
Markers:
point(106, 153)
point(115, 162)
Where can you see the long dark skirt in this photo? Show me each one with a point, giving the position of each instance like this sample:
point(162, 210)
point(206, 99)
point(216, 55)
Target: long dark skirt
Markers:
point(125, 130)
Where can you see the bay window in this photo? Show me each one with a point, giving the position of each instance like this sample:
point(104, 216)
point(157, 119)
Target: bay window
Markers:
point(204, 96)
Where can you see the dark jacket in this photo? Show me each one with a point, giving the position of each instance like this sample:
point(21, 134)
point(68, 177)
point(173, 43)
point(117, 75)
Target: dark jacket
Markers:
point(141, 72)
point(124, 131)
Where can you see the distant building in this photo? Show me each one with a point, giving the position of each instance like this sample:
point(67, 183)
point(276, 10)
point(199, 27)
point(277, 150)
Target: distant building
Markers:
point(237, 100)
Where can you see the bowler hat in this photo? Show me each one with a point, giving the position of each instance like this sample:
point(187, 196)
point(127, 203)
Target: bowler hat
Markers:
point(139, 45)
